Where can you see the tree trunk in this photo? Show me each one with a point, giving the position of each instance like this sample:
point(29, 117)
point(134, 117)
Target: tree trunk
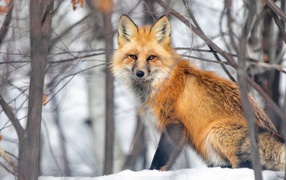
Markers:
point(99, 91)
point(40, 28)
point(96, 108)
point(63, 148)
point(139, 148)
point(96, 94)
point(242, 82)
point(272, 45)
point(109, 126)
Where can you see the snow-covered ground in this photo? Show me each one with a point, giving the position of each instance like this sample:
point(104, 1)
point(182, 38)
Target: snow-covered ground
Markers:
point(184, 174)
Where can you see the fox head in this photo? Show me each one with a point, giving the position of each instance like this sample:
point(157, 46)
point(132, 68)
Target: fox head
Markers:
point(144, 53)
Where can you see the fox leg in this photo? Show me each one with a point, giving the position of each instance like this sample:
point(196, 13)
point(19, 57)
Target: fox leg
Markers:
point(170, 146)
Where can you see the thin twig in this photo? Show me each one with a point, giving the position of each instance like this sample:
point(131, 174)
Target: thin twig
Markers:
point(58, 167)
point(228, 4)
point(76, 58)
point(8, 170)
point(4, 155)
point(279, 24)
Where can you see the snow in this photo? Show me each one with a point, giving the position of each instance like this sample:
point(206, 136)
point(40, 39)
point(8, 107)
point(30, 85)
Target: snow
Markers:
point(184, 174)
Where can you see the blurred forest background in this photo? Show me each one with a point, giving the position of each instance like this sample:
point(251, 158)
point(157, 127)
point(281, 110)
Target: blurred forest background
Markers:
point(63, 114)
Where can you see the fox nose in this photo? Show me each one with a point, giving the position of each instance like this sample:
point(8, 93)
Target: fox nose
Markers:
point(140, 74)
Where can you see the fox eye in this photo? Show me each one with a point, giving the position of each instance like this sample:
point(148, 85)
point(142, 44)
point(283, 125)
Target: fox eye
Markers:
point(151, 57)
point(133, 56)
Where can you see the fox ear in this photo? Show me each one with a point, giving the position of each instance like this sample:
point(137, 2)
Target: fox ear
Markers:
point(161, 29)
point(126, 28)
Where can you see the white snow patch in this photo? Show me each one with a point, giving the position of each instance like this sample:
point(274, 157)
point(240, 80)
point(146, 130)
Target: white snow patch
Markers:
point(184, 174)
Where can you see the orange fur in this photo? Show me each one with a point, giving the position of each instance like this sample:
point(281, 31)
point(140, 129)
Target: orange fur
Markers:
point(172, 91)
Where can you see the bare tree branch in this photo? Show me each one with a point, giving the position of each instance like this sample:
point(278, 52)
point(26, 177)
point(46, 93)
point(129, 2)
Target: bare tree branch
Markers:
point(6, 108)
point(230, 21)
point(279, 24)
point(4, 155)
point(8, 170)
point(276, 9)
point(7, 21)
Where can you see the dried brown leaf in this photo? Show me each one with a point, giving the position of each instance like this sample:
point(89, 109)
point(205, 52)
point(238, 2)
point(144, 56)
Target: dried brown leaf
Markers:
point(44, 99)
point(104, 6)
point(8, 1)
point(4, 9)
point(75, 2)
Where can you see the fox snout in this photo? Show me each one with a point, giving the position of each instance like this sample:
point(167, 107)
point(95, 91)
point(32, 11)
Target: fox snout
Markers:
point(140, 69)
point(140, 73)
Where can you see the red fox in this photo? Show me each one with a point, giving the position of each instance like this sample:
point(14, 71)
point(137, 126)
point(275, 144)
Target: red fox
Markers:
point(191, 106)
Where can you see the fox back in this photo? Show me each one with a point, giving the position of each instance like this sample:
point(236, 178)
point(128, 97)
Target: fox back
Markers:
point(190, 106)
